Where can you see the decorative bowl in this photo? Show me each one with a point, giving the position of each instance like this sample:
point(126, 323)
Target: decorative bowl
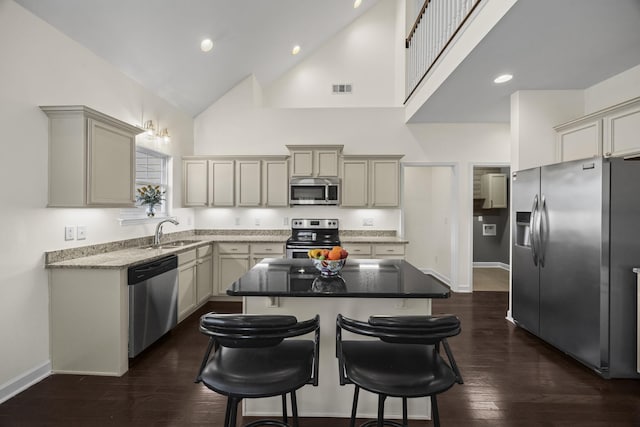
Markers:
point(328, 285)
point(328, 267)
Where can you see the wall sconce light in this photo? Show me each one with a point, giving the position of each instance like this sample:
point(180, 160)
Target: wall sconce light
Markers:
point(149, 128)
point(164, 135)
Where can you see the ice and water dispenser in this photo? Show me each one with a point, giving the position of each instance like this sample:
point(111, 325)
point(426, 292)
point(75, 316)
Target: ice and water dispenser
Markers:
point(522, 235)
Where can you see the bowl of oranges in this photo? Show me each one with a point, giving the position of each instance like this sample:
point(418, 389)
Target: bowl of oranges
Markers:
point(329, 261)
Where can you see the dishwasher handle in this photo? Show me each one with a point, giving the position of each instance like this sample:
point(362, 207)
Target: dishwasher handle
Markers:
point(140, 273)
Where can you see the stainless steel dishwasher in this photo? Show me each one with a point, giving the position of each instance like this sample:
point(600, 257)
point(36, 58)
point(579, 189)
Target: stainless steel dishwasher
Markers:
point(153, 301)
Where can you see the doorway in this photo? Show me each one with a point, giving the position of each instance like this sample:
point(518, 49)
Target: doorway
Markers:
point(491, 231)
point(429, 218)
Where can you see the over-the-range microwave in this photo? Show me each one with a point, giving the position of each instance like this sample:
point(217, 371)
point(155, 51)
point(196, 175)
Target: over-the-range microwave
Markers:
point(314, 191)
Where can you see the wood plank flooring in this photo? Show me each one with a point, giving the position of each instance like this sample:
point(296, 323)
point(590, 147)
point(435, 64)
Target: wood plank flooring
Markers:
point(490, 279)
point(511, 379)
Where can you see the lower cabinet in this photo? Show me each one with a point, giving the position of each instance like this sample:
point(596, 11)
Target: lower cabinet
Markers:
point(375, 250)
point(204, 273)
point(186, 283)
point(232, 260)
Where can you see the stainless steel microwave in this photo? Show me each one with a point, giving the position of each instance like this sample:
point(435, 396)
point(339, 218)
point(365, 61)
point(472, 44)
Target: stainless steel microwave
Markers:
point(314, 191)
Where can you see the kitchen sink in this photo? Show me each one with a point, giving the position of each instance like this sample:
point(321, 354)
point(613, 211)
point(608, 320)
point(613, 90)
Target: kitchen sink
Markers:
point(171, 245)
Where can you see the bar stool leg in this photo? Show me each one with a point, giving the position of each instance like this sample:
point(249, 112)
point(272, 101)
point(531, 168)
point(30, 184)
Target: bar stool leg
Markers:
point(294, 408)
point(434, 411)
point(381, 399)
point(234, 411)
point(405, 421)
point(285, 418)
point(354, 407)
point(227, 412)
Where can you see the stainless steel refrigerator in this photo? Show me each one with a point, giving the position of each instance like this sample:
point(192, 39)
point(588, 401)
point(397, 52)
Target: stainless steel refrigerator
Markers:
point(576, 239)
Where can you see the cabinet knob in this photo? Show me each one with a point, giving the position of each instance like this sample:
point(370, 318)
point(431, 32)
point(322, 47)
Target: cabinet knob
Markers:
point(607, 154)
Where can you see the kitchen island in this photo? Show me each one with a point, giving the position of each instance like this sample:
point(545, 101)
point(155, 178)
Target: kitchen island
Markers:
point(364, 287)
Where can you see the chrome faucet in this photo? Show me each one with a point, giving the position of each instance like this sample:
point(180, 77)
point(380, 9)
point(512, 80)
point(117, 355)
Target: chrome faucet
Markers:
point(158, 234)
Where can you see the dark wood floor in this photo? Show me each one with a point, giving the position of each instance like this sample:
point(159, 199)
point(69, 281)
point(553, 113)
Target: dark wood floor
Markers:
point(511, 379)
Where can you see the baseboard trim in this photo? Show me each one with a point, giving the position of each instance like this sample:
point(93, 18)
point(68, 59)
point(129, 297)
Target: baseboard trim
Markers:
point(24, 381)
point(437, 275)
point(492, 265)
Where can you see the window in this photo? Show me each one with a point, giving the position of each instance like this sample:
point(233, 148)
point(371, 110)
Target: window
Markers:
point(151, 169)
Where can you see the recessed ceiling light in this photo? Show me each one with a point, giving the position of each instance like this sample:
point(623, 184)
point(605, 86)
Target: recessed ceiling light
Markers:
point(503, 78)
point(295, 50)
point(206, 45)
point(357, 3)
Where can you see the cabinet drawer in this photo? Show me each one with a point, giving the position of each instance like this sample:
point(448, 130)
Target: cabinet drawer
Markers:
point(267, 248)
point(388, 249)
point(205, 251)
point(357, 249)
point(233, 248)
point(185, 257)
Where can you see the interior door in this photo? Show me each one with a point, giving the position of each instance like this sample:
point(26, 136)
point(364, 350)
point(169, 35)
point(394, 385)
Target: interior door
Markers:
point(525, 291)
point(571, 228)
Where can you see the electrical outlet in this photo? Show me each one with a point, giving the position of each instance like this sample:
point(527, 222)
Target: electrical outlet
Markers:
point(285, 220)
point(257, 221)
point(81, 232)
point(69, 232)
point(237, 222)
point(367, 221)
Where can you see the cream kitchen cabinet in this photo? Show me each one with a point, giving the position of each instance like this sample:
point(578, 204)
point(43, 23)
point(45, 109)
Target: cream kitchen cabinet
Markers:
point(232, 260)
point(204, 273)
point(314, 160)
point(275, 183)
point(91, 158)
point(244, 181)
point(493, 189)
point(370, 181)
point(621, 130)
point(358, 250)
point(259, 251)
point(388, 250)
point(611, 132)
point(186, 284)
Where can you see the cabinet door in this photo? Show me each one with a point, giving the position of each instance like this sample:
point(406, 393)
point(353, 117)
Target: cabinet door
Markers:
point(230, 268)
point(248, 182)
point(326, 163)
point(110, 165)
point(195, 183)
point(276, 183)
point(302, 163)
point(358, 250)
point(186, 289)
point(580, 142)
point(355, 183)
point(388, 251)
point(385, 182)
point(222, 182)
point(204, 279)
point(493, 189)
point(622, 132)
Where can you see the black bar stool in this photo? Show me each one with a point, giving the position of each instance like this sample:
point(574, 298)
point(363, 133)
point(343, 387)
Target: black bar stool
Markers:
point(252, 357)
point(404, 362)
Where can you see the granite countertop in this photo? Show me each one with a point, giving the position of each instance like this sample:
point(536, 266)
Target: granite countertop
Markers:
point(359, 278)
point(124, 254)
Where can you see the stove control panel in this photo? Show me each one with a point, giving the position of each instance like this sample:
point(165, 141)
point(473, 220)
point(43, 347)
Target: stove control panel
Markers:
point(314, 223)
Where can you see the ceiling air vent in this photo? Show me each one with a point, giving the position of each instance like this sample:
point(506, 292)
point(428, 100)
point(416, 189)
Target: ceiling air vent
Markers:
point(342, 88)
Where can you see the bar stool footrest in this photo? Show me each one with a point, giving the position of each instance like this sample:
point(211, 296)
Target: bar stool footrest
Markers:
point(374, 423)
point(260, 423)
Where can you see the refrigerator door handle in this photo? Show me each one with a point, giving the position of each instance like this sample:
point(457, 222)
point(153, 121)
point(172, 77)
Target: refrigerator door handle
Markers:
point(539, 231)
point(532, 236)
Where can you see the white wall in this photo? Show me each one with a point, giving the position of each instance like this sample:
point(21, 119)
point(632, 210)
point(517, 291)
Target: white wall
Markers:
point(362, 54)
point(533, 116)
point(41, 66)
point(619, 88)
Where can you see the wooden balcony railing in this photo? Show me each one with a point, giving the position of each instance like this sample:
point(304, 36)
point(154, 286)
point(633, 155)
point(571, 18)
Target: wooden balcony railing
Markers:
point(435, 27)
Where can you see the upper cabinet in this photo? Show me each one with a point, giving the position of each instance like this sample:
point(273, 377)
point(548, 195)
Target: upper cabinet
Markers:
point(314, 160)
point(370, 181)
point(91, 158)
point(611, 132)
point(493, 189)
point(223, 181)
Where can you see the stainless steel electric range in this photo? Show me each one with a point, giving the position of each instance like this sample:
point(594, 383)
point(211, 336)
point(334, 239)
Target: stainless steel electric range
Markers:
point(312, 234)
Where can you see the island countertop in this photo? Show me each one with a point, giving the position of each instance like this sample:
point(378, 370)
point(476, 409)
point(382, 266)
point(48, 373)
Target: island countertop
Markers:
point(364, 278)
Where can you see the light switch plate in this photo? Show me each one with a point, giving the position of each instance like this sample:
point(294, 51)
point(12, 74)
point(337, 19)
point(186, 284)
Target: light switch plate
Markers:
point(81, 232)
point(69, 232)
